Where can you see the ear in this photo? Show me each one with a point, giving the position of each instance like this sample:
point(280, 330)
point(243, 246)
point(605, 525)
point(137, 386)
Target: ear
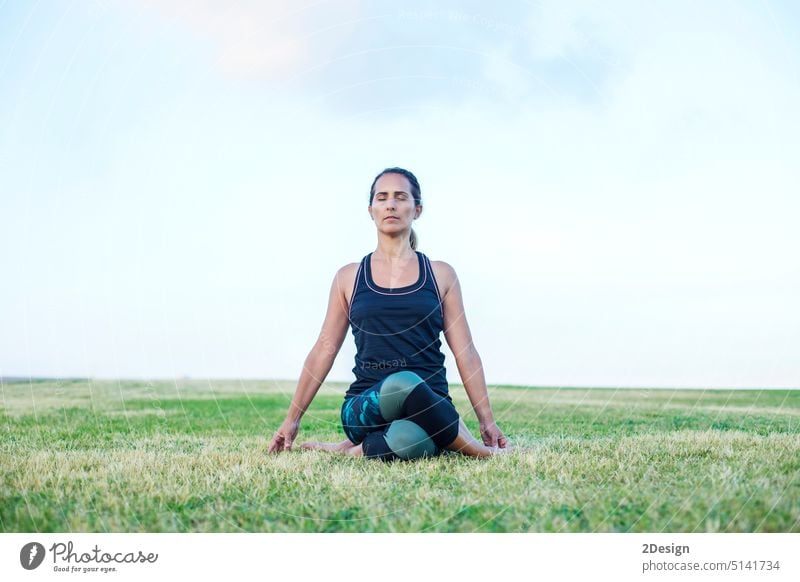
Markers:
point(417, 210)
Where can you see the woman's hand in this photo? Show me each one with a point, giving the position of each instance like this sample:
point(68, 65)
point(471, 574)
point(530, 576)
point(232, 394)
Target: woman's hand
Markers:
point(284, 436)
point(492, 435)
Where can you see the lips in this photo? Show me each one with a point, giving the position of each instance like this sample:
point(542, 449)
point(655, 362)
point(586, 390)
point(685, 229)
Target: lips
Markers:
point(390, 217)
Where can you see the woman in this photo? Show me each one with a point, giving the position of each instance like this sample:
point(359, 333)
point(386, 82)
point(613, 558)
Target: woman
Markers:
point(397, 301)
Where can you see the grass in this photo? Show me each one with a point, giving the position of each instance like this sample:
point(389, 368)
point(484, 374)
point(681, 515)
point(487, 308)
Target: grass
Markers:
point(189, 456)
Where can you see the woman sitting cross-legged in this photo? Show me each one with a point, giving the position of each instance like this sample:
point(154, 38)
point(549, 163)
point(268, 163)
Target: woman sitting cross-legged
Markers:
point(397, 302)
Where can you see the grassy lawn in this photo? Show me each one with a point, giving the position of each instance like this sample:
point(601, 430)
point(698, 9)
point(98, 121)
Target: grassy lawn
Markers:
point(190, 456)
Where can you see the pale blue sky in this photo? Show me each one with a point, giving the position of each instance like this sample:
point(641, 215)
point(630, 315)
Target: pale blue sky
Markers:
point(615, 183)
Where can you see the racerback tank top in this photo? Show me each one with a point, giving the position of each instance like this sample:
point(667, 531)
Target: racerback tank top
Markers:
point(397, 329)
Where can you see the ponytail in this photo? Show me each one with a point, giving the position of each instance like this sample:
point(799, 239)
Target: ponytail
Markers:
point(413, 239)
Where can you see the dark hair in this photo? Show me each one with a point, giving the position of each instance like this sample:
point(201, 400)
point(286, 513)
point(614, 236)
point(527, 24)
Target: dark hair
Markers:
point(415, 192)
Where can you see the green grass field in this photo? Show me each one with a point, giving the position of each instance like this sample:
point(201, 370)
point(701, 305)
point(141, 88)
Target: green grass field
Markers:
point(190, 456)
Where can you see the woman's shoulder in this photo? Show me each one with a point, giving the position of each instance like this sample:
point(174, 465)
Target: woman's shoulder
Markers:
point(347, 272)
point(348, 268)
point(445, 275)
point(346, 278)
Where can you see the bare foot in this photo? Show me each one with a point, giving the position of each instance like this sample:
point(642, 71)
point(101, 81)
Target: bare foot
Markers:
point(341, 447)
point(355, 450)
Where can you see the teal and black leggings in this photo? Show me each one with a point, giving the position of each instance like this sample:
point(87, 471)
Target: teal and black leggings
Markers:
point(400, 417)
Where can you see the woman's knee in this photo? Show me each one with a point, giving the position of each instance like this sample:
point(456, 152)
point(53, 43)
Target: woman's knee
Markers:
point(394, 391)
point(409, 441)
point(406, 395)
point(402, 440)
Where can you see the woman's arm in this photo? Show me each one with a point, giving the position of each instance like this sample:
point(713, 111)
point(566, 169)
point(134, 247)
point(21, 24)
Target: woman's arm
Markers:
point(317, 364)
point(466, 444)
point(470, 367)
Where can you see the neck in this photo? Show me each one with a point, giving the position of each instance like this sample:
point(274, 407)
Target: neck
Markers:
point(393, 248)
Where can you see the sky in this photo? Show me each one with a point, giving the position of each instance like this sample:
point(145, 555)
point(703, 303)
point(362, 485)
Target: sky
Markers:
point(615, 183)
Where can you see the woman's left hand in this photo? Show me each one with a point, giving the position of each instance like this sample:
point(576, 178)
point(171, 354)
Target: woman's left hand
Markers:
point(492, 435)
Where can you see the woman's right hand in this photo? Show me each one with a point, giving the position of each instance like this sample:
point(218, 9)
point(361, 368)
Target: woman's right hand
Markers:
point(284, 436)
point(502, 450)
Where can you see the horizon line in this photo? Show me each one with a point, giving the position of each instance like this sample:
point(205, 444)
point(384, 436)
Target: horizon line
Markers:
point(31, 379)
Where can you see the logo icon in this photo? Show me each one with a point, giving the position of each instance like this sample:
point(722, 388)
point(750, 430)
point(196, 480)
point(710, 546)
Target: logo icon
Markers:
point(31, 555)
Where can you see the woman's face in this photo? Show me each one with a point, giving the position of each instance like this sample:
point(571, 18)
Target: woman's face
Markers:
point(393, 199)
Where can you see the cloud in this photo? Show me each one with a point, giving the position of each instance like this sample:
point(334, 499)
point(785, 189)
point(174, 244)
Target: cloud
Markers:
point(554, 30)
point(271, 39)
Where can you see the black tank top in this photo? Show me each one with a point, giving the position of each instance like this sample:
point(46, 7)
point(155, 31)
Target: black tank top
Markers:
point(397, 329)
